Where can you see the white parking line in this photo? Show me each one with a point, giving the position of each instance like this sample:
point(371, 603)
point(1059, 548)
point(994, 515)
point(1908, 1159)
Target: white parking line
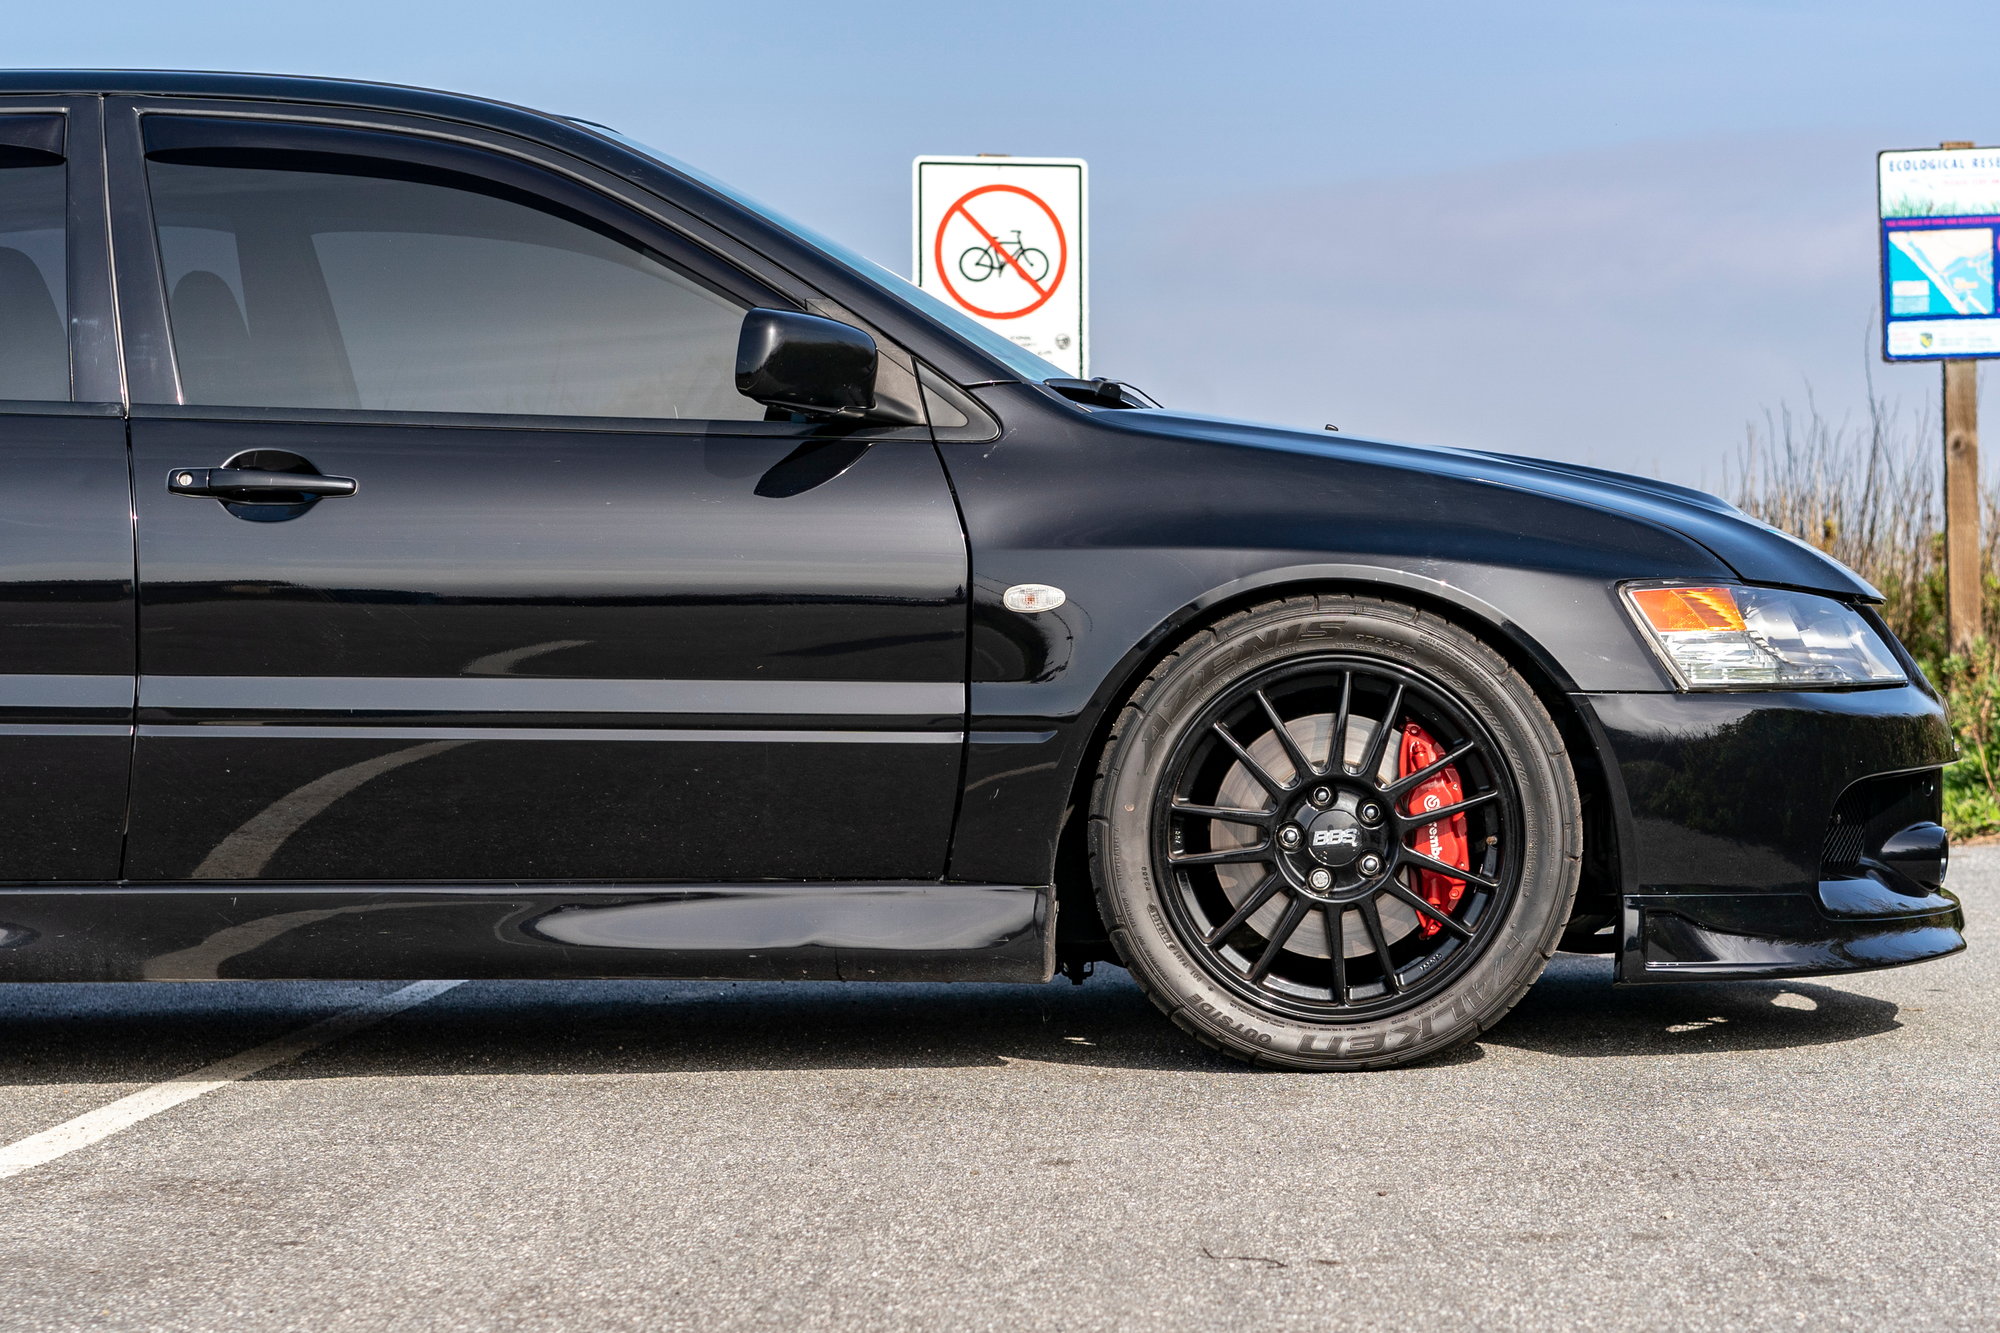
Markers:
point(96, 1126)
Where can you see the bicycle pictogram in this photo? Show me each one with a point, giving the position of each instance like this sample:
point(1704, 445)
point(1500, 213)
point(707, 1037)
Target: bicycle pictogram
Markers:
point(981, 262)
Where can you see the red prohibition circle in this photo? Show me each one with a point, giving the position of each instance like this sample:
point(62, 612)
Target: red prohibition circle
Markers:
point(944, 274)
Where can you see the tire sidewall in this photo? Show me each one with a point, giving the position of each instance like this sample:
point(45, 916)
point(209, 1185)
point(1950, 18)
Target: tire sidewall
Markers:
point(1529, 746)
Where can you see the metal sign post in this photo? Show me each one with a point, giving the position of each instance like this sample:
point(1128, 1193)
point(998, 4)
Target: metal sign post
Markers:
point(1940, 217)
point(1002, 239)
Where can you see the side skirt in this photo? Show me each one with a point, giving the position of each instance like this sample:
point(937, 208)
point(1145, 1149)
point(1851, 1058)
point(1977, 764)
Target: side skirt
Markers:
point(771, 931)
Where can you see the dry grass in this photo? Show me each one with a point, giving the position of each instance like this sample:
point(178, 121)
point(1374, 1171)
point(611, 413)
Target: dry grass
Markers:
point(1870, 494)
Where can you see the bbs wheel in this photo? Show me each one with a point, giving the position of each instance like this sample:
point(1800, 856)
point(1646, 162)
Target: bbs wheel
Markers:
point(1335, 833)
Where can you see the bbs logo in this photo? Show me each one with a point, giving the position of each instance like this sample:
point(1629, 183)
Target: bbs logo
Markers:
point(1336, 837)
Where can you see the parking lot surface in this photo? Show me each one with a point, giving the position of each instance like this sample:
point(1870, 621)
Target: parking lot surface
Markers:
point(629, 1155)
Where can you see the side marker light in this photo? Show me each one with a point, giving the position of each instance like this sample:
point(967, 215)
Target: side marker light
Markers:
point(1029, 598)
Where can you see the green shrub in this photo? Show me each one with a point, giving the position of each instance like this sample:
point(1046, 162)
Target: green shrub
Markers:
point(1970, 684)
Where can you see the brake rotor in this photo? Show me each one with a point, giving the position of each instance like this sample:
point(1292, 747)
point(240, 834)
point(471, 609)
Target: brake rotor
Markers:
point(1242, 791)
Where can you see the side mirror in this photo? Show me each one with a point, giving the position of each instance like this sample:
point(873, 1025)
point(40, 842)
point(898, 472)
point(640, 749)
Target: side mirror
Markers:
point(803, 363)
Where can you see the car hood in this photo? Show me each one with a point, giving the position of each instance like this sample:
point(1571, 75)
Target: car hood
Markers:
point(1758, 552)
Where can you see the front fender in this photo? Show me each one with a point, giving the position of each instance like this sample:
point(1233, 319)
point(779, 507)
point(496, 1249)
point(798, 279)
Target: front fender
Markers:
point(1151, 536)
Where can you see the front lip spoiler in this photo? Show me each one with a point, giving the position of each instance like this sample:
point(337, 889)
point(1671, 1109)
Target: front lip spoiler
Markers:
point(1739, 936)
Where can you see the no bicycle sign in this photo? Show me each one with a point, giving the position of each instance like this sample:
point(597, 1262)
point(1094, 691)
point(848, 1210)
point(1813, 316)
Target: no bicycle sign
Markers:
point(1001, 239)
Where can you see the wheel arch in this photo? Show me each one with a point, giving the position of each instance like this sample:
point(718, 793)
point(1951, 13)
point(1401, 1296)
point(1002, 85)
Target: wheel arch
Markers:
point(1080, 932)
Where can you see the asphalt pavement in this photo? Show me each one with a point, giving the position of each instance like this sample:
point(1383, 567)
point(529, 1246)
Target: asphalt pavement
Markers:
point(517, 1155)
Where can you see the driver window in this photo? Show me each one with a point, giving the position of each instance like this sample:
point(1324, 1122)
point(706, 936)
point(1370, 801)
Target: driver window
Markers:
point(438, 293)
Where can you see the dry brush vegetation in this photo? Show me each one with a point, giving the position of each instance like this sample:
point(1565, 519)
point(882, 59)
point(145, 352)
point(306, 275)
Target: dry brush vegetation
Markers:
point(1870, 494)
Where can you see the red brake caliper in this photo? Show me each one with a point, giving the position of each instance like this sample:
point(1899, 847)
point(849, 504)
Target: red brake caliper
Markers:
point(1441, 839)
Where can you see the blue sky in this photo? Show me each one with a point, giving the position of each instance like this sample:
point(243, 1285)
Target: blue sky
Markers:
point(1613, 232)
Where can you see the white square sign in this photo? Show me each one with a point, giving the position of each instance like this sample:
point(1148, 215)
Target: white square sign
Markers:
point(1002, 239)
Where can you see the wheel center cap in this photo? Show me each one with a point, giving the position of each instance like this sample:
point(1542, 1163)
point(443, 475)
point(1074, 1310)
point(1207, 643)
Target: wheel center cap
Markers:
point(1334, 838)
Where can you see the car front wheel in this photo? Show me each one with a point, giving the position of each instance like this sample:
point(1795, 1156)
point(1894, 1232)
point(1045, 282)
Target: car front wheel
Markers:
point(1335, 833)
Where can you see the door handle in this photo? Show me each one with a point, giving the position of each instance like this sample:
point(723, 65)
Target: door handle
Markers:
point(242, 483)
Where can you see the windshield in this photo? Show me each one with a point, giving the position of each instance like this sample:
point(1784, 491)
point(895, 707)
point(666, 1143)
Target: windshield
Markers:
point(1005, 350)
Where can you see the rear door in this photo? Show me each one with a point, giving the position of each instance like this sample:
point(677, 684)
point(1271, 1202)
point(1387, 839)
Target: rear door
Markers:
point(66, 654)
point(585, 614)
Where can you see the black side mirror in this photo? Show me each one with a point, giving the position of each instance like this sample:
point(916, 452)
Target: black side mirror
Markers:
point(802, 363)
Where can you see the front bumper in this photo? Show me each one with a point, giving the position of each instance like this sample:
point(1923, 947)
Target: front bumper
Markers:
point(1753, 827)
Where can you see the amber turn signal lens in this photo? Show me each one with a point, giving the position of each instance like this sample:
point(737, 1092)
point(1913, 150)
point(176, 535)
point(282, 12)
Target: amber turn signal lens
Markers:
point(1679, 610)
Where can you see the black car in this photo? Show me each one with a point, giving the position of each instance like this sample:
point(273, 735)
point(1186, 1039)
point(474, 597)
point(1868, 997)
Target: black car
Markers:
point(438, 538)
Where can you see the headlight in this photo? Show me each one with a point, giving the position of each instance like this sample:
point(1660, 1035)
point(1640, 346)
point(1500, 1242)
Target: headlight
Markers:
point(1735, 637)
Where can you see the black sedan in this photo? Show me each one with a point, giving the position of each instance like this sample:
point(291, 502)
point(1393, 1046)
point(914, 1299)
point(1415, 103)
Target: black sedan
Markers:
point(446, 539)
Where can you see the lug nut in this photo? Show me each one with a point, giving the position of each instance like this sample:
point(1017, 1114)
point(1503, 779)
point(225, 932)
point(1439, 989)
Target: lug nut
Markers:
point(1289, 835)
point(1321, 879)
point(1322, 796)
point(1371, 814)
point(1370, 864)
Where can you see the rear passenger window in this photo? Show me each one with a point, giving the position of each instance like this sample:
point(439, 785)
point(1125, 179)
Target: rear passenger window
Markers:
point(34, 311)
point(321, 289)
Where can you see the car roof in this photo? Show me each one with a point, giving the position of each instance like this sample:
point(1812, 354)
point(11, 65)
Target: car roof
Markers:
point(281, 88)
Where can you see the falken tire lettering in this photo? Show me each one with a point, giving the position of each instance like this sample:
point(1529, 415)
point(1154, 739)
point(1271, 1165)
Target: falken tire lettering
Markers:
point(1412, 1031)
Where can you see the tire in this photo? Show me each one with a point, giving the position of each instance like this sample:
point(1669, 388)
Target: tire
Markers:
point(1372, 960)
point(1034, 263)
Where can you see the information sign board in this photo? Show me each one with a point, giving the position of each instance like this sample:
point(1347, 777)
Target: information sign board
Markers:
point(1940, 216)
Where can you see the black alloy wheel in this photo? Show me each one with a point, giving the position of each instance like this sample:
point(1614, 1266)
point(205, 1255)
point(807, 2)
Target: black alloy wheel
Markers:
point(1288, 849)
point(1270, 837)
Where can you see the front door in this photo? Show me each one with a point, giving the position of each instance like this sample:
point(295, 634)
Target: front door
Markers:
point(548, 600)
point(65, 510)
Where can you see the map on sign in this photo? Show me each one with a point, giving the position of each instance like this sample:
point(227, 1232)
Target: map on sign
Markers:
point(1940, 214)
point(1931, 272)
point(1001, 238)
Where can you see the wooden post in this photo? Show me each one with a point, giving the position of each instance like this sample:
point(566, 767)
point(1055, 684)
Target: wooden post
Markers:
point(1964, 560)
point(1964, 572)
